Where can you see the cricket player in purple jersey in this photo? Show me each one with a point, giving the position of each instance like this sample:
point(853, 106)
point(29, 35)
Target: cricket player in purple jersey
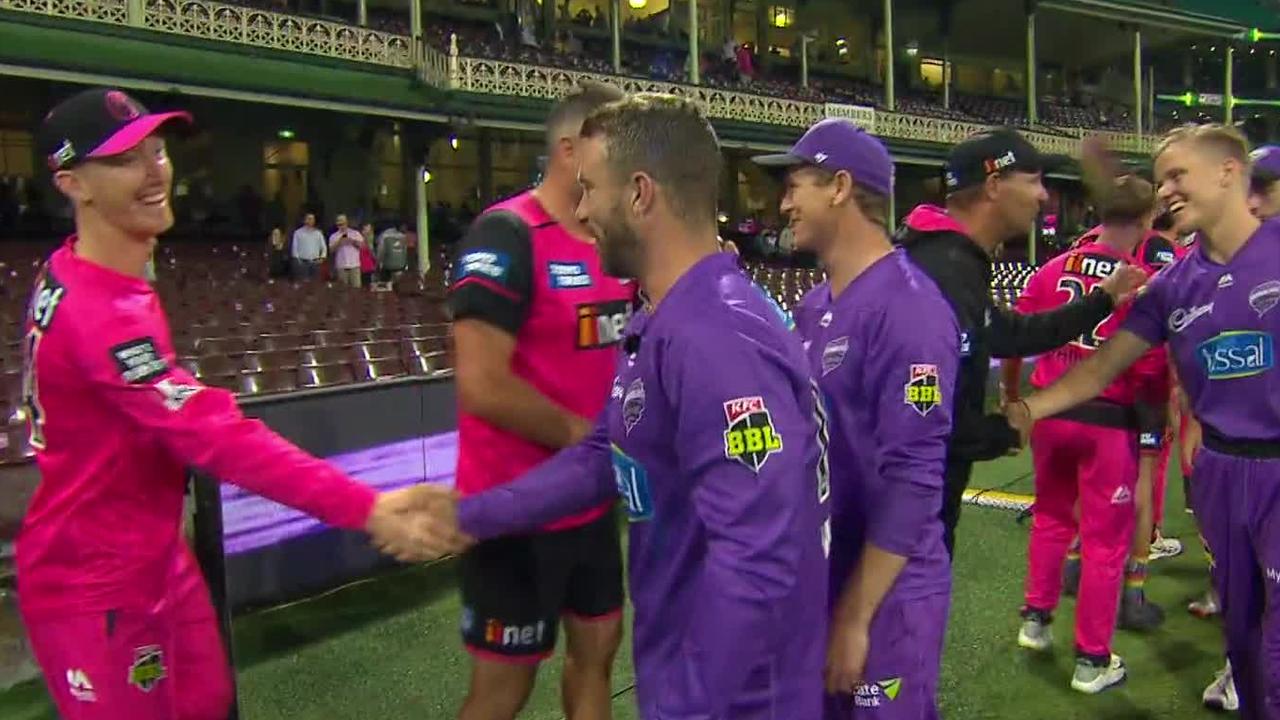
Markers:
point(713, 436)
point(884, 346)
point(1216, 309)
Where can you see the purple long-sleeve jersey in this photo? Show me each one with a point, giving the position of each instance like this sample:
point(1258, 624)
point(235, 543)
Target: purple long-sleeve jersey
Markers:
point(713, 438)
point(885, 354)
point(1221, 322)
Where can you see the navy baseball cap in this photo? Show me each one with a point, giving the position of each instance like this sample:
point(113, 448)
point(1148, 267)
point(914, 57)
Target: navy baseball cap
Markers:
point(837, 144)
point(994, 151)
point(1266, 164)
point(97, 123)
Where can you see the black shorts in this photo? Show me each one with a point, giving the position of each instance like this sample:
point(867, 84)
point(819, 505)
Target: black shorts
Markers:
point(515, 589)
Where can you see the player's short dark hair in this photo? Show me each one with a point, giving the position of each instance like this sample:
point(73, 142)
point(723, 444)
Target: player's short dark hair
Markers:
point(667, 138)
point(568, 112)
point(1128, 200)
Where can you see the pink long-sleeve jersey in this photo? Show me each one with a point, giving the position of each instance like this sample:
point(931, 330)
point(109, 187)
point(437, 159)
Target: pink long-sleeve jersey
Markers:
point(115, 424)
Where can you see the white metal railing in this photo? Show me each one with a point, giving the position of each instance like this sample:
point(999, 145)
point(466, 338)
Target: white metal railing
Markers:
point(291, 33)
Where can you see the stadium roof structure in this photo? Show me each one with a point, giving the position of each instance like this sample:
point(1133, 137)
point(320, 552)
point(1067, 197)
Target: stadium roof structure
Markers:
point(1212, 17)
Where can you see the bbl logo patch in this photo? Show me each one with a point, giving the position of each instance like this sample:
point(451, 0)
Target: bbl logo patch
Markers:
point(750, 437)
point(922, 391)
point(148, 667)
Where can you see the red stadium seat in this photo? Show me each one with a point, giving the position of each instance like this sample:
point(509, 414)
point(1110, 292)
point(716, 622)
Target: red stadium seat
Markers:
point(216, 366)
point(380, 369)
point(428, 364)
point(325, 375)
point(270, 360)
point(222, 346)
point(257, 383)
point(375, 350)
point(321, 356)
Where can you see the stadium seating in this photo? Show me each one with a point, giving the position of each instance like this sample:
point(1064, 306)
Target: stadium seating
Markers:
point(234, 328)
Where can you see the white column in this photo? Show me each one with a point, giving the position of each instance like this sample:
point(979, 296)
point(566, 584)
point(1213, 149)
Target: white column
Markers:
point(1137, 81)
point(615, 21)
point(415, 32)
point(888, 56)
point(1032, 109)
point(695, 67)
point(424, 231)
point(362, 13)
point(137, 11)
point(804, 60)
point(1228, 99)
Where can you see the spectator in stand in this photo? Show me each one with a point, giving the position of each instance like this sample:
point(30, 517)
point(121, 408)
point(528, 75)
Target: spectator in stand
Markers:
point(367, 261)
point(308, 249)
point(393, 252)
point(345, 244)
point(277, 254)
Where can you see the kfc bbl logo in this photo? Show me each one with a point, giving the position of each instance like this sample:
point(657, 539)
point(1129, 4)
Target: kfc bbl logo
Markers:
point(750, 437)
point(922, 391)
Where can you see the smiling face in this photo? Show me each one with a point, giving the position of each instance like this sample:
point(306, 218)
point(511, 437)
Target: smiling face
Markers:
point(603, 208)
point(809, 204)
point(1192, 185)
point(129, 191)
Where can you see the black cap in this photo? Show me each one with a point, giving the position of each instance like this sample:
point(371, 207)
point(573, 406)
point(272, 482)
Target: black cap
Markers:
point(97, 123)
point(995, 151)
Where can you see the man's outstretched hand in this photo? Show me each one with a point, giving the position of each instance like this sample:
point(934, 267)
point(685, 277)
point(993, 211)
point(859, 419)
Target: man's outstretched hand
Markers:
point(417, 523)
point(1123, 283)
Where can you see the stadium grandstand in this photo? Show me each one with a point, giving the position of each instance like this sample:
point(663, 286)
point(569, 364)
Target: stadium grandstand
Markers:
point(406, 118)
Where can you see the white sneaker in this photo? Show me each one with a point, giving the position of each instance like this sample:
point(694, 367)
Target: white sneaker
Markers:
point(1221, 693)
point(1163, 547)
point(1035, 634)
point(1092, 679)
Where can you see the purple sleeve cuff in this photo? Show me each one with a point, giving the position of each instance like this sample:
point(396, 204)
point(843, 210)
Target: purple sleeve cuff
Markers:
point(575, 479)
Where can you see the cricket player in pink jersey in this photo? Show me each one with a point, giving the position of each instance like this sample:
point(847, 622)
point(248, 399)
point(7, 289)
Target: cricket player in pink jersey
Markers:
point(1089, 454)
point(118, 615)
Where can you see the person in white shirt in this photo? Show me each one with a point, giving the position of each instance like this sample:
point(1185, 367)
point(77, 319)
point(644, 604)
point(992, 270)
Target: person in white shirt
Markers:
point(345, 244)
point(308, 249)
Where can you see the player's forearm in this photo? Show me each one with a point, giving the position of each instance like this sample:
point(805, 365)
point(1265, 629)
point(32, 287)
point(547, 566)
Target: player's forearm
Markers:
point(873, 577)
point(508, 402)
point(1016, 335)
point(244, 452)
point(1011, 379)
point(576, 479)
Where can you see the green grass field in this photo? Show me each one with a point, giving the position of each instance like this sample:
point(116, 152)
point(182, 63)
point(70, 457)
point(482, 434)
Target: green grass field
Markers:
point(388, 647)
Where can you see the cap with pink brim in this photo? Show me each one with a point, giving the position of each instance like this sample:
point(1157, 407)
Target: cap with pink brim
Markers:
point(98, 123)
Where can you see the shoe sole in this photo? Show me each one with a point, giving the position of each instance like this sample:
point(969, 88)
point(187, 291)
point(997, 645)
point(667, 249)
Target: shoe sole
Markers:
point(1029, 644)
point(1081, 688)
point(1219, 706)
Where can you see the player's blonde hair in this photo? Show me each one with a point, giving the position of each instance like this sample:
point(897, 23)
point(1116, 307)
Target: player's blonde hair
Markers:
point(1224, 139)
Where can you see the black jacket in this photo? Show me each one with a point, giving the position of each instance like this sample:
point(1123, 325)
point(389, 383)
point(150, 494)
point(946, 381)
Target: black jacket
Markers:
point(962, 270)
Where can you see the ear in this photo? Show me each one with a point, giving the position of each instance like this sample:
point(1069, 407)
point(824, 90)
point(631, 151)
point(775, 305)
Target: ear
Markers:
point(643, 193)
point(565, 148)
point(842, 187)
point(991, 186)
point(70, 184)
